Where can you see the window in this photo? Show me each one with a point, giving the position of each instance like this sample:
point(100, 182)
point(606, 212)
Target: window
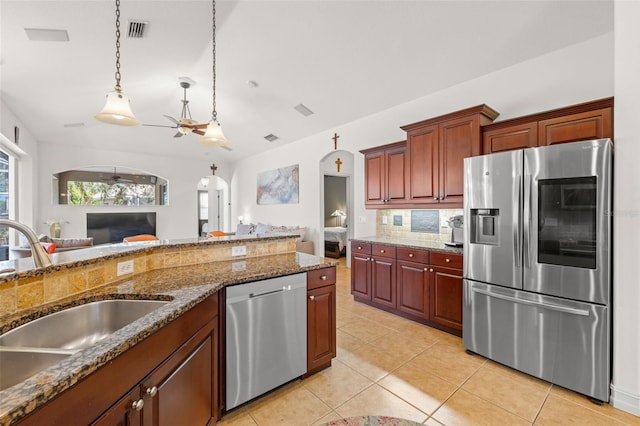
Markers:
point(4, 204)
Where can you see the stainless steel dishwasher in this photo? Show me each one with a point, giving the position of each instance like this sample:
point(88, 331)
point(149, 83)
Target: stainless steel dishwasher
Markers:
point(266, 336)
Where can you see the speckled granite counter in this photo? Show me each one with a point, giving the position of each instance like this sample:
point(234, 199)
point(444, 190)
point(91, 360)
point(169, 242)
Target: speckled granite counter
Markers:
point(183, 287)
point(418, 244)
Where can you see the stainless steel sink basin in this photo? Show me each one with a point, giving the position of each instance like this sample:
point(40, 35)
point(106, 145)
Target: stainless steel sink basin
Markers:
point(17, 365)
point(80, 326)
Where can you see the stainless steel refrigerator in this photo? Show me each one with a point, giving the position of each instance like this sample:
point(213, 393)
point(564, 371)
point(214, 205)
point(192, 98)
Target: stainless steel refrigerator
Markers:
point(537, 262)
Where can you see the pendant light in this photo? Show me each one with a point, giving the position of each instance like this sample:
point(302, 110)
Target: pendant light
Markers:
point(213, 135)
point(117, 109)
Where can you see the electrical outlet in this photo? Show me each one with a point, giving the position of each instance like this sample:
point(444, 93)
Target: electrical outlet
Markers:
point(384, 220)
point(125, 267)
point(239, 251)
point(363, 219)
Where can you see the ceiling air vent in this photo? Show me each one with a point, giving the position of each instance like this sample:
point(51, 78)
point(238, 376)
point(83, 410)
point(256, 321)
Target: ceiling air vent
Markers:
point(271, 137)
point(303, 110)
point(137, 29)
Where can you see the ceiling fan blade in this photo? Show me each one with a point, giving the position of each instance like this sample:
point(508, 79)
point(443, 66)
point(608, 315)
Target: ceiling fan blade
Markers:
point(198, 132)
point(173, 120)
point(201, 126)
point(178, 135)
point(228, 148)
point(160, 125)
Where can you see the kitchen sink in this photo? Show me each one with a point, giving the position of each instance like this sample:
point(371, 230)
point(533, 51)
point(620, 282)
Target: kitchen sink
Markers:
point(18, 364)
point(80, 326)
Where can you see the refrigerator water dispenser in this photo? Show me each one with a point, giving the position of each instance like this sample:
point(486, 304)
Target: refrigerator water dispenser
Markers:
point(485, 226)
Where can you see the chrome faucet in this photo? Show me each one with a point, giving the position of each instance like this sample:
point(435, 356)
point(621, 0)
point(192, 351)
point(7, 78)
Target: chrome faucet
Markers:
point(40, 257)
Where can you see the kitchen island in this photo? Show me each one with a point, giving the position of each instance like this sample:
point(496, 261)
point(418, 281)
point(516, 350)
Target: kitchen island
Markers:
point(188, 274)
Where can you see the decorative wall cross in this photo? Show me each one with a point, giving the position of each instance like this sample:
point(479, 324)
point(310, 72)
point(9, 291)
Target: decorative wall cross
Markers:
point(213, 168)
point(335, 142)
point(338, 163)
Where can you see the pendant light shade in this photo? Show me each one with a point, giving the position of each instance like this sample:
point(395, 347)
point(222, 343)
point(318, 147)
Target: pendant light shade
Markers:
point(117, 109)
point(213, 136)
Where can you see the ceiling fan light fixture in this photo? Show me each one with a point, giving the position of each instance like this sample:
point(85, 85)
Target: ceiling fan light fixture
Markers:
point(117, 110)
point(214, 136)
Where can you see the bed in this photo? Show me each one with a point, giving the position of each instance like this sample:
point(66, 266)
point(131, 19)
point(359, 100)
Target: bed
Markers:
point(335, 241)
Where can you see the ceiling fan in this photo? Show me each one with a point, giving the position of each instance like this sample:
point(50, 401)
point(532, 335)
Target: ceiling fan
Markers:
point(185, 124)
point(115, 178)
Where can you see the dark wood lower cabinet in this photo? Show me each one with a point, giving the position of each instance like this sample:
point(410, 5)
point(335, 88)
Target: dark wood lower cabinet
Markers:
point(446, 297)
point(383, 281)
point(413, 289)
point(125, 412)
point(321, 319)
point(361, 275)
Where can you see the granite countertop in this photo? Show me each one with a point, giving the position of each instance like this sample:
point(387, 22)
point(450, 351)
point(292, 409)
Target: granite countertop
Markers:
point(183, 287)
point(417, 244)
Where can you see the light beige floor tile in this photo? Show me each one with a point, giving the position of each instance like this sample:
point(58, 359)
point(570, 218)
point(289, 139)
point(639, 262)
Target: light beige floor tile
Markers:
point(376, 401)
point(346, 343)
point(329, 417)
point(432, 422)
point(418, 387)
point(239, 417)
point(400, 343)
point(296, 407)
point(448, 363)
point(464, 408)
point(365, 329)
point(519, 394)
point(336, 384)
point(560, 411)
point(605, 409)
point(372, 362)
point(345, 316)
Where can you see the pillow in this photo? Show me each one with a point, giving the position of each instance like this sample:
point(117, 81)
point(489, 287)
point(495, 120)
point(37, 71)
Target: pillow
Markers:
point(244, 229)
point(73, 242)
point(262, 229)
point(297, 230)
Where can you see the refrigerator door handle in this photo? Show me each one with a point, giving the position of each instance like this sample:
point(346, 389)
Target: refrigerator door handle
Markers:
point(559, 308)
point(517, 226)
point(527, 217)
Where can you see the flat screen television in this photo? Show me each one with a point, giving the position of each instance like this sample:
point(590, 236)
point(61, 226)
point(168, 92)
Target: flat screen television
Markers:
point(113, 227)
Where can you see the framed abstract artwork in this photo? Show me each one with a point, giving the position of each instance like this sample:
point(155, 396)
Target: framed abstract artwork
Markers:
point(279, 186)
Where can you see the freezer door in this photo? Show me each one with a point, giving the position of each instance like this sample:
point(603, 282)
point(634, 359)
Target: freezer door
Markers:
point(567, 220)
point(563, 342)
point(493, 219)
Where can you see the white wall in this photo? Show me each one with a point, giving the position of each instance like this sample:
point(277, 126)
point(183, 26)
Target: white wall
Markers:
point(625, 390)
point(561, 78)
point(179, 219)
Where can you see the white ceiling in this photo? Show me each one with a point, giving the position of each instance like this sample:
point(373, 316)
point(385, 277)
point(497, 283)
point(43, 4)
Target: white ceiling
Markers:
point(342, 59)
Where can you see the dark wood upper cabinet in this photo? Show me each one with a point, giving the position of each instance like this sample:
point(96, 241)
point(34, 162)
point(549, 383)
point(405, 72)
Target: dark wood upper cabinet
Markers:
point(385, 175)
point(436, 149)
point(585, 121)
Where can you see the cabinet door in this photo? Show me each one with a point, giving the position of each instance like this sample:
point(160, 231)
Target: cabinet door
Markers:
point(360, 276)
point(459, 139)
point(321, 326)
point(126, 412)
point(422, 152)
point(412, 282)
point(446, 297)
point(510, 138)
point(180, 391)
point(395, 162)
point(383, 281)
point(374, 178)
point(582, 126)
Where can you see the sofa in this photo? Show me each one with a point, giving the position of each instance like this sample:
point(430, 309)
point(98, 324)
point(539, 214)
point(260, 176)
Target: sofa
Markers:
point(264, 229)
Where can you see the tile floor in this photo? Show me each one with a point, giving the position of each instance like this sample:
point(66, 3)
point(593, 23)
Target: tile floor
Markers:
point(387, 365)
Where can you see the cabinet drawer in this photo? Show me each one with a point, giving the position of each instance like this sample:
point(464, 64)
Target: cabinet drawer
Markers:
point(412, 255)
point(383, 250)
point(360, 247)
point(321, 277)
point(448, 260)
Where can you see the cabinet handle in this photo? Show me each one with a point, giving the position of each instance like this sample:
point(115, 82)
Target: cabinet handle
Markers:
point(435, 198)
point(381, 251)
point(430, 269)
point(137, 405)
point(425, 269)
point(152, 391)
point(411, 254)
point(312, 297)
point(447, 260)
point(359, 247)
point(323, 277)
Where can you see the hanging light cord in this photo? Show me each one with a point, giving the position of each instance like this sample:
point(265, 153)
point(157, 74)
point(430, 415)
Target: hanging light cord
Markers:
point(214, 114)
point(118, 88)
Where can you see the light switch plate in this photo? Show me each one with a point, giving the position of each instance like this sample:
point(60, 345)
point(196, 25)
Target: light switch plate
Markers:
point(384, 220)
point(125, 267)
point(239, 251)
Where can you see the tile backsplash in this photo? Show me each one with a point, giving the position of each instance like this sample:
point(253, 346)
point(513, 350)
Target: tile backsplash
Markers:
point(398, 224)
